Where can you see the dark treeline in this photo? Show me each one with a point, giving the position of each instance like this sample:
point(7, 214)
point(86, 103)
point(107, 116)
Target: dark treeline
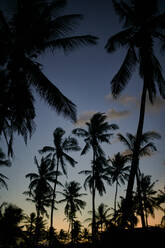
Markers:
point(33, 29)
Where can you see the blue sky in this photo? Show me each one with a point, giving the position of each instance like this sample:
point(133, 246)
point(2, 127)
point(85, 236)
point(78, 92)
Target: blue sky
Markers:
point(84, 77)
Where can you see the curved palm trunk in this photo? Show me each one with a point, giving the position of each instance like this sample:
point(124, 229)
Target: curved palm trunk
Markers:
point(52, 207)
point(135, 158)
point(115, 200)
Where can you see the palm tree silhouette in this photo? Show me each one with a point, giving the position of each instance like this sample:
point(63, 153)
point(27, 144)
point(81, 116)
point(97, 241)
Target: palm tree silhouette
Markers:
point(102, 216)
point(148, 196)
point(72, 195)
point(146, 149)
point(97, 132)
point(98, 178)
point(30, 229)
point(61, 147)
point(34, 28)
point(141, 26)
point(40, 189)
point(3, 162)
point(119, 171)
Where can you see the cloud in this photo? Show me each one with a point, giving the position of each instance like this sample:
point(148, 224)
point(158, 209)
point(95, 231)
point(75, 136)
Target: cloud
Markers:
point(84, 117)
point(132, 101)
point(115, 114)
point(124, 100)
point(158, 105)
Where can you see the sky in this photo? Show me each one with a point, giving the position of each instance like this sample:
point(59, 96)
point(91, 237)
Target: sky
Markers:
point(84, 76)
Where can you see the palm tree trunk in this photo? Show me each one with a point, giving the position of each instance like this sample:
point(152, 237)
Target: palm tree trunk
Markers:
point(52, 207)
point(37, 225)
point(134, 163)
point(140, 200)
point(115, 196)
point(93, 201)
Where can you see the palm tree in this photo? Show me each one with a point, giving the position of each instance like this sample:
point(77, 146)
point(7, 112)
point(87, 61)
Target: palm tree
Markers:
point(98, 178)
point(141, 26)
point(3, 162)
point(40, 189)
point(102, 216)
point(34, 28)
point(119, 171)
point(30, 228)
point(61, 147)
point(146, 149)
point(97, 132)
point(161, 200)
point(72, 195)
point(148, 196)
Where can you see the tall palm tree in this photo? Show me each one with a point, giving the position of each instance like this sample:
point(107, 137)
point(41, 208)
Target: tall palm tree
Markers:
point(34, 28)
point(60, 152)
point(3, 162)
point(40, 186)
point(97, 132)
point(119, 171)
point(98, 179)
point(146, 148)
point(72, 195)
point(142, 25)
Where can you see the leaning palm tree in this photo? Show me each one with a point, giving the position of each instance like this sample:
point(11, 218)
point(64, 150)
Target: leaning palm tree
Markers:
point(60, 152)
point(97, 132)
point(35, 28)
point(142, 25)
point(3, 162)
point(146, 149)
point(119, 171)
point(72, 195)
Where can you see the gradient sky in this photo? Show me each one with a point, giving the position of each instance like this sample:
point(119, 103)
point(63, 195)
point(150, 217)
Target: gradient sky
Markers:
point(84, 77)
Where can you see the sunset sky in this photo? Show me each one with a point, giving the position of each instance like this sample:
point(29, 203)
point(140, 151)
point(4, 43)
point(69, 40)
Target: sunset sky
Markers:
point(84, 76)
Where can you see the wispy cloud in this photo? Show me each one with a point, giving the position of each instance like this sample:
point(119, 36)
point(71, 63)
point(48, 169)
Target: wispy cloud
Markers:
point(132, 101)
point(115, 114)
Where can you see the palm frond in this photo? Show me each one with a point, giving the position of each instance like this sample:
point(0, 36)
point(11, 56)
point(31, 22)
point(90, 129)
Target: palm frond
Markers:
point(80, 132)
point(118, 40)
point(47, 149)
point(62, 25)
point(124, 140)
point(50, 92)
point(71, 43)
point(86, 148)
point(120, 80)
point(69, 159)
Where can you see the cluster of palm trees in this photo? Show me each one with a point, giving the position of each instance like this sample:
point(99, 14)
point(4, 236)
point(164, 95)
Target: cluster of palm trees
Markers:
point(114, 169)
point(36, 27)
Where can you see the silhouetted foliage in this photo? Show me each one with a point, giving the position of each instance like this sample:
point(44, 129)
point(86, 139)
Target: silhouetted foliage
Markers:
point(141, 25)
point(35, 28)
